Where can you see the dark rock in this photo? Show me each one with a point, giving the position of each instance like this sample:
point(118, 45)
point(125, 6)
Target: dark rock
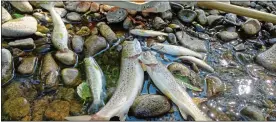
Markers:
point(23, 43)
point(116, 16)
point(186, 15)
point(191, 42)
point(94, 44)
point(158, 23)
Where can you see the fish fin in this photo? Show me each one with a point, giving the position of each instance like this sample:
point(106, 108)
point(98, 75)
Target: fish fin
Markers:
point(75, 118)
point(47, 5)
point(183, 114)
point(99, 117)
point(95, 107)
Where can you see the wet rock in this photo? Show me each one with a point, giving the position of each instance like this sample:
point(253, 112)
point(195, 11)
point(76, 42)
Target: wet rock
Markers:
point(17, 52)
point(127, 23)
point(24, 26)
point(168, 30)
point(239, 47)
point(268, 58)
point(213, 12)
point(253, 113)
point(94, 7)
point(43, 17)
point(150, 106)
point(68, 58)
point(71, 6)
point(5, 15)
point(6, 66)
point(23, 43)
point(191, 42)
point(48, 65)
point(161, 39)
point(272, 41)
point(201, 17)
point(227, 36)
point(145, 14)
point(65, 93)
point(59, 4)
point(251, 26)
point(27, 66)
point(57, 110)
point(73, 16)
point(84, 31)
point(172, 39)
point(116, 16)
point(13, 90)
point(43, 49)
point(71, 77)
point(17, 108)
point(214, 85)
point(39, 108)
point(106, 7)
point(186, 15)
point(107, 32)
point(167, 15)
point(158, 23)
point(94, 44)
point(61, 11)
point(131, 12)
point(245, 3)
point(23, 6)
point(179, 68)
point(42, 29)
point(75, 107)
point(77, 43)
point(83, 6)
point(213, 18)
point(231, 18)
point(94, 31)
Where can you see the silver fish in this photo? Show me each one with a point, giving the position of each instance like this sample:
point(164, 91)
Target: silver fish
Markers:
point(128, 87)
point(147, 33)
point(167, 84)
point(60, 34)
point(198, 62)
point(96, 81)
point(175, 50)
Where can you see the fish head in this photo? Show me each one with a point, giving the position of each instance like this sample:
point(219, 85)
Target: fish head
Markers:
point(131, 49)
point(148, 58)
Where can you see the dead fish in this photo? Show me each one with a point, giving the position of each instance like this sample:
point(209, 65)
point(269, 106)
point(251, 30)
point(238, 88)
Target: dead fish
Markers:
point(129, 85)
point(147, 33)
point(168, 85)
point(198, 62)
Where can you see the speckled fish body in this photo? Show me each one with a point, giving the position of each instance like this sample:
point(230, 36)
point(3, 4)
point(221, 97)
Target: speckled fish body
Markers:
point(175, 50)
point(147, 33)
point(129, 84)
point(60, 34)
point(96, 80)
point(167, 84)
point(198, 62)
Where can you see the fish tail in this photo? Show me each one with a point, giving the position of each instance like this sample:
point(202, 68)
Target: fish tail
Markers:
point(75, 118)
point(183, 113)
point(99, 117)
point(96, 106)
point(47, 5)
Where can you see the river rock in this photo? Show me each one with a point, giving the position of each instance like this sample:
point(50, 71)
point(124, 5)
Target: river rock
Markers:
point(6, 66)
point(23, 43)
point(17, 108)
point(251, 26)
point(73, 16)
point(168, 30)
point(191, 42)
point(127, 23)
point(94, 7)
point(83, 6)
point(39, 107)
point(23, 6)
point(159, 23)
point(5, 15)
point(61, 11)
point(94, 44)
point(71, 6)
point(172, 39)
point(27, 66)
point(116, 16)
point(201, 17)
point(186, 15)
point(227, 36)
point(213, 18)
point(253, 113)
point(150, 106)
point(245, 3)
point(65, 93)
point(48, 65)
point(107, 32)
point(68, 58)
point(70, 76)
point(268, 58)
point(57, 110)
point(167, 15)
point(77, 43)
point(24, 26)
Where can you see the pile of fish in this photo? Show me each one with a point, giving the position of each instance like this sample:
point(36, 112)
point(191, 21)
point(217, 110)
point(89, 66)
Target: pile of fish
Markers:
point(172, 50)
